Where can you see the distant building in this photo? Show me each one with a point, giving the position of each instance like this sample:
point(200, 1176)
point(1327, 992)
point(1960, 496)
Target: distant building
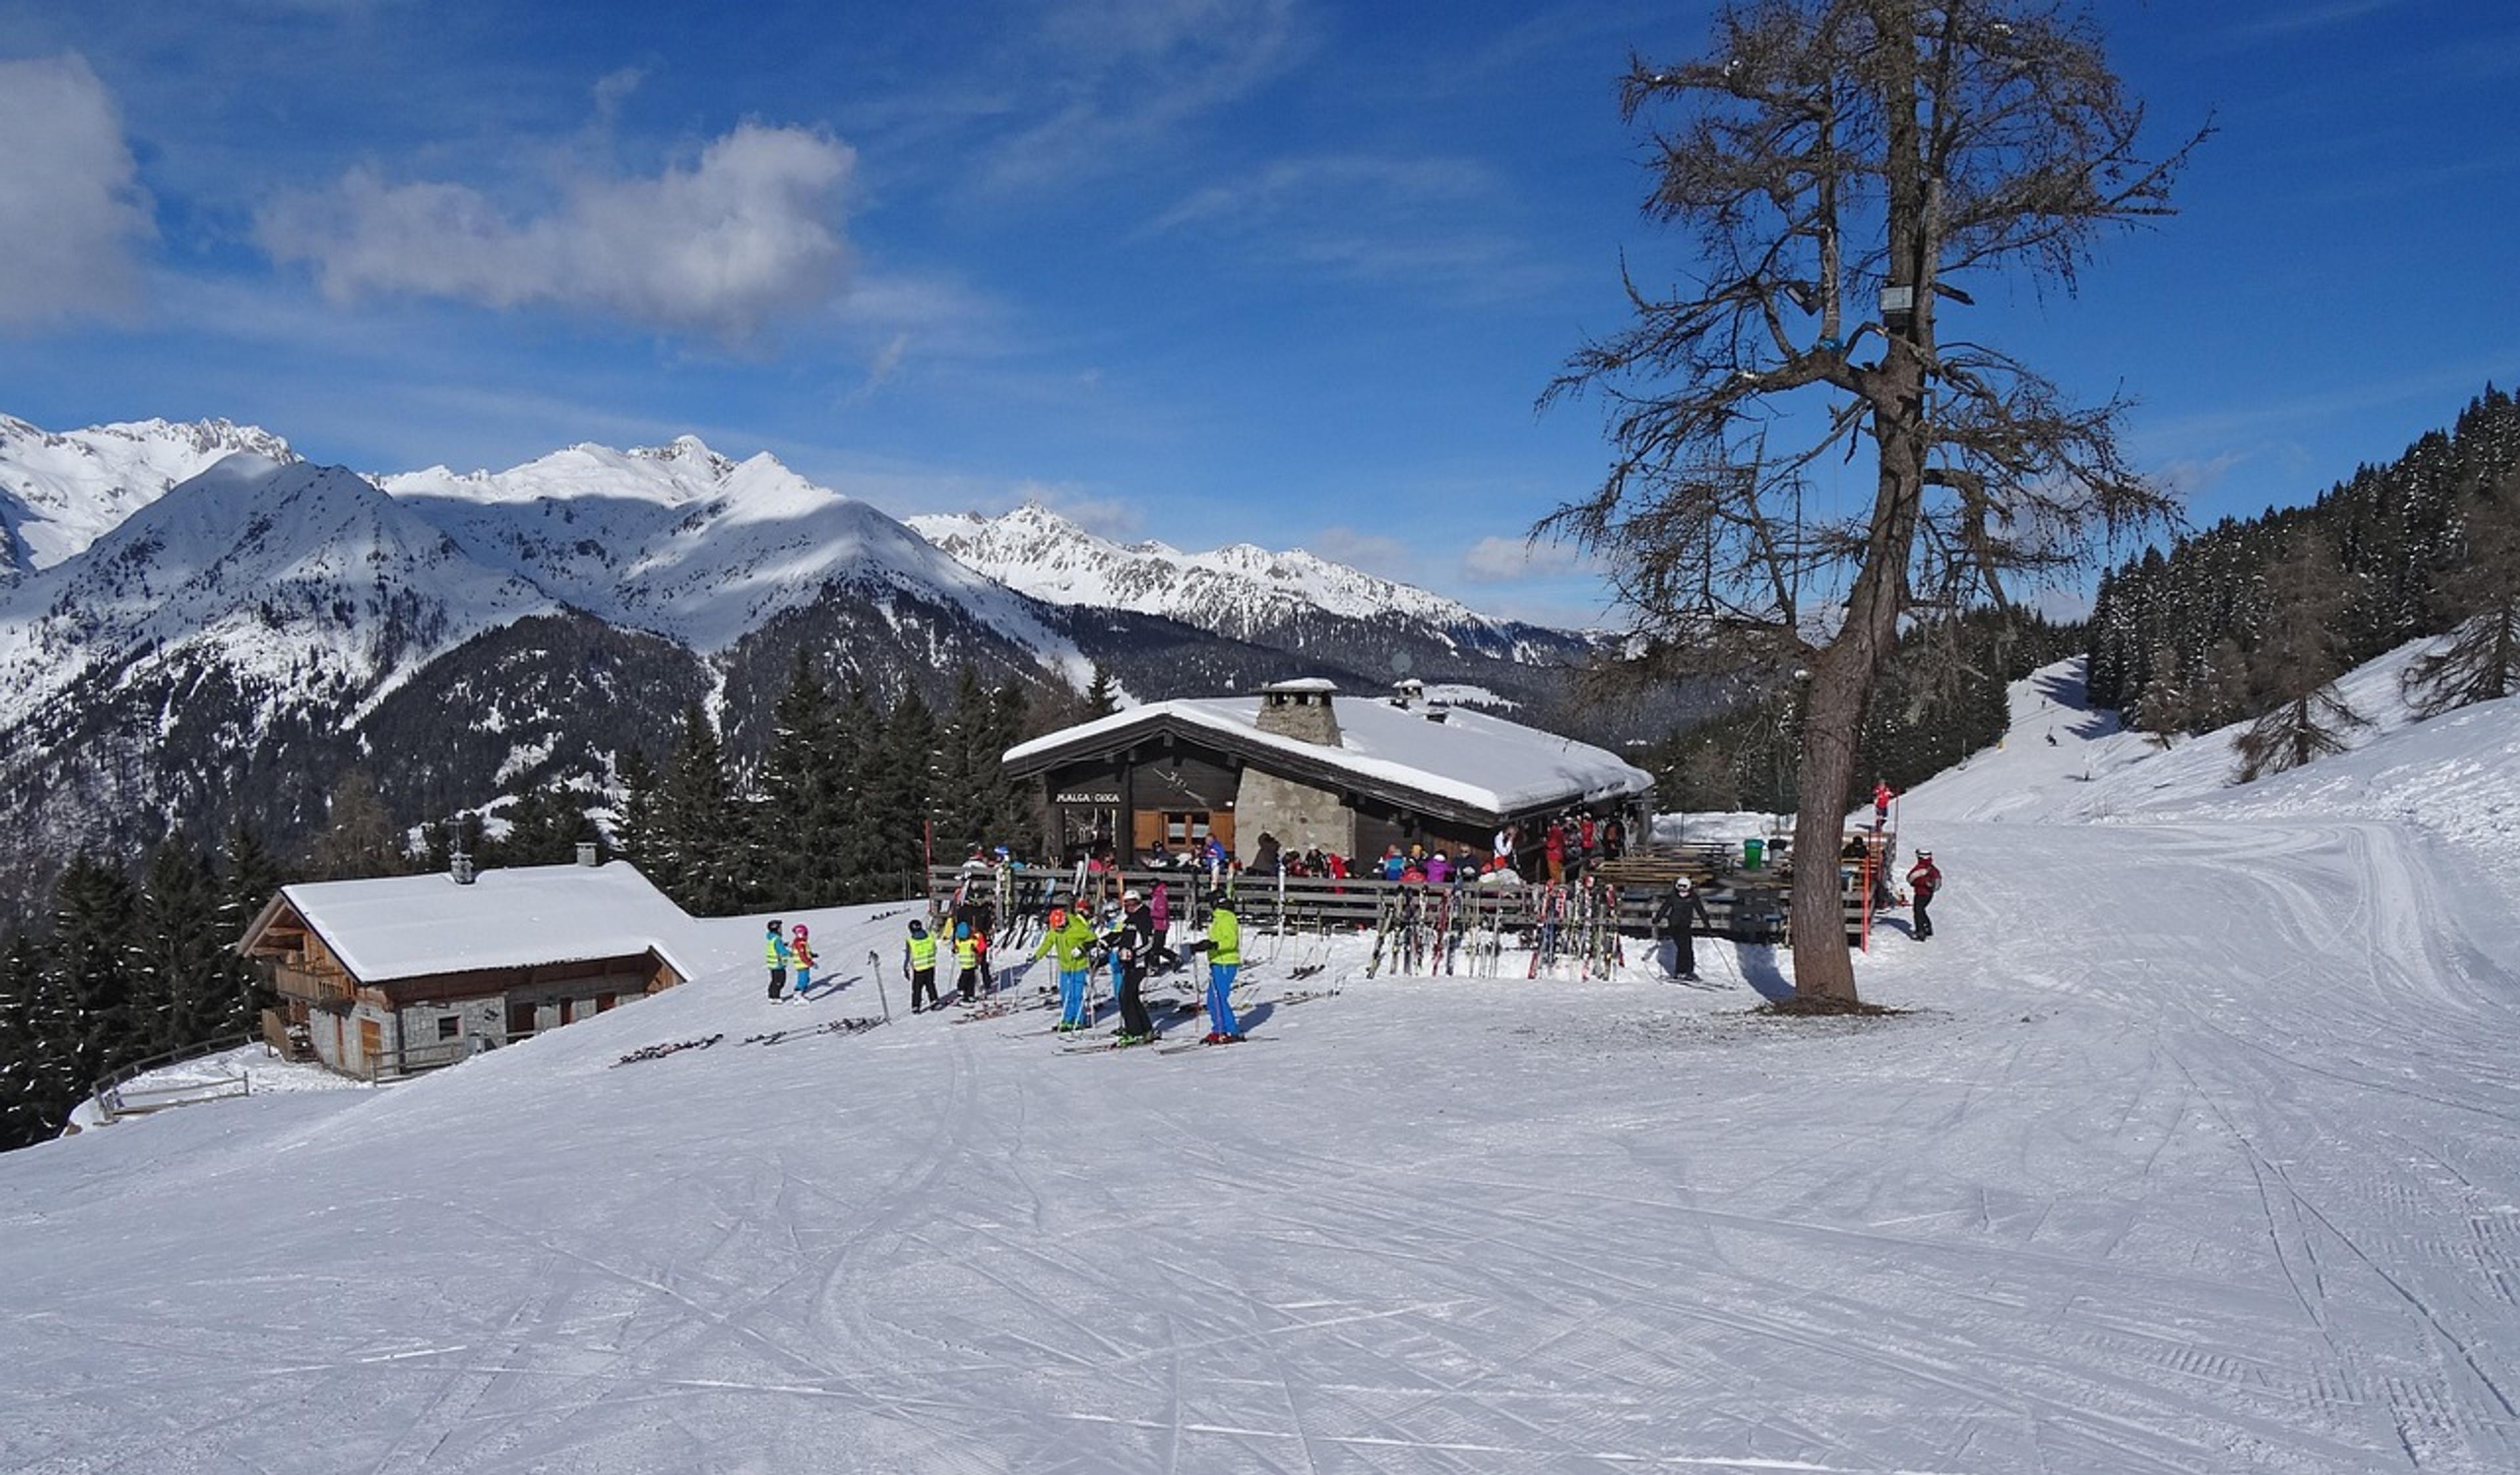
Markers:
point(400, 974)
point(1301, 762)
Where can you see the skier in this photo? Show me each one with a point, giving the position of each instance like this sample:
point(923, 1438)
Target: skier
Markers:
point(802, 956)
point(1681, 908)
point(1068, 941)
point(918, 965)
point(774, 950)
point(1224, 960)
point(1882, 793)
point(1925, 878)
point(1129, 942)
point(1159, 910)
point(966, 963)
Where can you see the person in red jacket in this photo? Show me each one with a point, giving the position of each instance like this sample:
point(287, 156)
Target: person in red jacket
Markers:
point(1882, 793)
point(1925, 878)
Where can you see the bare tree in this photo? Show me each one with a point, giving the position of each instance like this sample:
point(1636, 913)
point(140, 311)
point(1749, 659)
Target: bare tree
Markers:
point(2482, 588)
point(1844, 167)
point(2297, 657)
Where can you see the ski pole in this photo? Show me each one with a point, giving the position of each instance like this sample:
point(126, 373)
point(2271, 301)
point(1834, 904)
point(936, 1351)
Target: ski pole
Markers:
point(874, 965)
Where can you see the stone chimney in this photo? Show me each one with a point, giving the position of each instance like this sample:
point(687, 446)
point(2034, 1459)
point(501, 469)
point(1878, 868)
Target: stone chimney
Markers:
point(1301, 710)
point(1408, 693)
point(587, 852)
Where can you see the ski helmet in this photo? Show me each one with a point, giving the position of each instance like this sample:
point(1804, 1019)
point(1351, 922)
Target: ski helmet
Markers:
point(917, 930)
point(1683, 886)
point(1058, 916)
point(962, 930)
point(800, 928)
point(774, 924)
point(1925, 854)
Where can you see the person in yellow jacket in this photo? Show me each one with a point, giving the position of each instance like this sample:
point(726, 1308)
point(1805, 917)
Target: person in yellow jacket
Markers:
point(774, 951)
point(1224, 961)
point(966, 963)
point(1068, 941)
point(918, 962)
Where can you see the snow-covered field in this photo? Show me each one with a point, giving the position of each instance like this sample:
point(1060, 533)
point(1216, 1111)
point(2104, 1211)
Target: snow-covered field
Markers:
point(2197, 1154)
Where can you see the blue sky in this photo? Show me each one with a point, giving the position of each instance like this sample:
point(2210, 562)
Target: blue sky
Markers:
point(1198, 269)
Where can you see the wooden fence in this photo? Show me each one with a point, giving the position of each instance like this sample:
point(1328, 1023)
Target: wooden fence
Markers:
point(1748, 906)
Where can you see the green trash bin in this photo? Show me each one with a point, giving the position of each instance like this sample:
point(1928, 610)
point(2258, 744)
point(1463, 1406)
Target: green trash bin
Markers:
point(1752, 852)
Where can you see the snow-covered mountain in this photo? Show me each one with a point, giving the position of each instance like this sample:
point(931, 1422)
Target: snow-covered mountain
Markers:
point(684, 542)
point(197, 629)
point(61, 490)
point(1242, 589)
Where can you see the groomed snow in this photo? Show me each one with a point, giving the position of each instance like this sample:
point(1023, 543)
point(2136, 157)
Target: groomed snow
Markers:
point(2196, 1155)
point(1470, 757)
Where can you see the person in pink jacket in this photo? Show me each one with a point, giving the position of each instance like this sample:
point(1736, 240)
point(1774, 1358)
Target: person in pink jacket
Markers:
point(1160, 909)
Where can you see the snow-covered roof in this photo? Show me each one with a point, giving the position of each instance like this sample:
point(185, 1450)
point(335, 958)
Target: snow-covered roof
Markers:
point(1303, 684)
point(394, 927)
point(1471, 758)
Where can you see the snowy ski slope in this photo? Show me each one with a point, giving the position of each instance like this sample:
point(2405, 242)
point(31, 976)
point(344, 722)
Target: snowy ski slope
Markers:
point(2197, 1155)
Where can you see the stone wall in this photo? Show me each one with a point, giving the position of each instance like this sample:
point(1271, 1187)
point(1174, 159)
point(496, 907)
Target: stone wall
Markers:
point(1300, 815)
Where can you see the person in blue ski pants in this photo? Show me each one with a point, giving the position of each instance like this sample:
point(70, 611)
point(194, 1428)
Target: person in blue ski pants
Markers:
point(1224, 961)
point(1068, 941)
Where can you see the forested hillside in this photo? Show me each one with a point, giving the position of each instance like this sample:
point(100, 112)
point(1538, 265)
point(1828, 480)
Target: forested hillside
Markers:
point(2235, 621)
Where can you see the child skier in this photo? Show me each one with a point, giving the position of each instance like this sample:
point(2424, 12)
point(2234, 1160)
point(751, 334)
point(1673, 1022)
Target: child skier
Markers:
point(801, 956)
point(1925, 878)
point(774, 950)
point(966, 963)
point(1069, 943)
point(918, 965)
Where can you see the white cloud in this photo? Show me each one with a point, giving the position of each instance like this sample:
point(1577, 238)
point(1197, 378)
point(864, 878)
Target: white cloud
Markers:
point(1507, 560)
point(726, 245)
point(71, 210)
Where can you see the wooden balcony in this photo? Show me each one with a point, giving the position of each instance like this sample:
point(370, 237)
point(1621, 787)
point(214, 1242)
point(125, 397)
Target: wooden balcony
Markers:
point(312, 987)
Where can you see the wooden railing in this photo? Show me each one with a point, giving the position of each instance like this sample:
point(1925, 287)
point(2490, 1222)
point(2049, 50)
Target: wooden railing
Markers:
point(1747, 906)
point(110, 1103)
point(292, 982)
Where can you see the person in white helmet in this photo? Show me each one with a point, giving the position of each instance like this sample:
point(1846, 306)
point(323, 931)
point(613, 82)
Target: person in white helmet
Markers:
point(1680, 912)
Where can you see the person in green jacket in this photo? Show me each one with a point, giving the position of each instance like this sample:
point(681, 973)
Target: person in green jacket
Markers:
point(1224, 961)
point(1068, 941)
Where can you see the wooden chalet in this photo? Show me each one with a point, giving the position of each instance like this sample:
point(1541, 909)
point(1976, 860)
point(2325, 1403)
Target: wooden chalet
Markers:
point(1301, 762)
point(388, 977)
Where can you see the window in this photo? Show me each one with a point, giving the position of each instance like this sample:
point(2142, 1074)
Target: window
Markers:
point(450, 1026)
point(1185, 828)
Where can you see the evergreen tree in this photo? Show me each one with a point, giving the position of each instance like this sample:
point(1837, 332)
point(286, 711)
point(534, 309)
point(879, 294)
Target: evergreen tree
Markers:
point(184, 991)
point(1099, 699)
point(545, 824)
point(2164, 708)
point(697, 844)
point(2481, 591)
point(857, 746)
point(248, 877)
point(2300, 653)
point(796, 824)
point(30, 1111)
point(898, 798)
point(634, 834)
point(86, 1008)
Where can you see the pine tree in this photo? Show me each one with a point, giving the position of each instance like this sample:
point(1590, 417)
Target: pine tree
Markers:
point(1099, 699)
point(2300, 653)
point(184, 991)
point(795, 825)
point(898, 797)
point(634, 834)
point(696, 824)
point(545, 824)
point(2165, 708)
point(86, 1017)
point(248, 878)
point(28, 1109)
